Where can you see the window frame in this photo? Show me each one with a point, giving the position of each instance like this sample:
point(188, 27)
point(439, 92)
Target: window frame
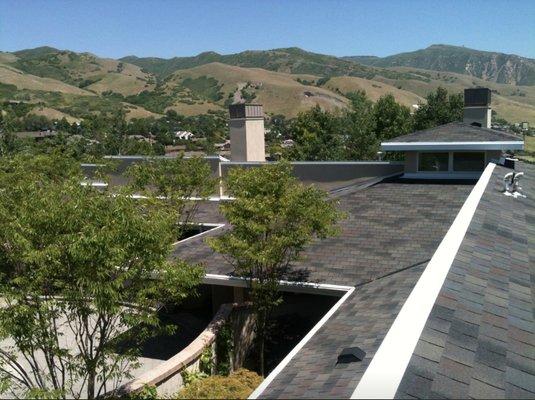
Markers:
point(450, 162)
point(465, 171)
point(432, 172)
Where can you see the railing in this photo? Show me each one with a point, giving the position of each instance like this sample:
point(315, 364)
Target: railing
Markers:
point(184, 358)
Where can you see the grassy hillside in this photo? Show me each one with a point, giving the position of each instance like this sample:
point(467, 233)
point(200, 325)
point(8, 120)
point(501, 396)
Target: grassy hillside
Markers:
point(12, 76)
point(373, 88)
point(221, 84)
point(83, 70)
point(489, 66)
point(289, 60)
point(514, 103)
point(286, 81)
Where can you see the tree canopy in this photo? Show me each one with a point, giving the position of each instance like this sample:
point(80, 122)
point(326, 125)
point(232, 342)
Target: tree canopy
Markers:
point(273, 217)
point(78, 268)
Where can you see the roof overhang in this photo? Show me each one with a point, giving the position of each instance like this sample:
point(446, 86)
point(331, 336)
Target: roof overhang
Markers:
point(415, 146)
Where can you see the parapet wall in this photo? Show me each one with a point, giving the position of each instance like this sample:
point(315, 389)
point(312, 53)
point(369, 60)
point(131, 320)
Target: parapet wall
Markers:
point(329, 174)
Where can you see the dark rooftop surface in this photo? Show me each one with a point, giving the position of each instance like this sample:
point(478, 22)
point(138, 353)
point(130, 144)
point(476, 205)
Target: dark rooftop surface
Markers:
point(456, 132)
point(363, 320)
point(479, 340)
point(389, 226)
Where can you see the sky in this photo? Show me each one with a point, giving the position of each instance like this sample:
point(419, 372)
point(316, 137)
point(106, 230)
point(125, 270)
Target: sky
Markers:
point(168, 28)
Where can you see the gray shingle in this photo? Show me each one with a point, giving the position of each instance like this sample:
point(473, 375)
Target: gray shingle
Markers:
point(496, 265)
point(456, 132)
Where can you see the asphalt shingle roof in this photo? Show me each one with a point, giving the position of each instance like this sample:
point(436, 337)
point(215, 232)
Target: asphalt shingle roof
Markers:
point(390, 226)
point(479, 340)
point(456, 132)
point(363, 320)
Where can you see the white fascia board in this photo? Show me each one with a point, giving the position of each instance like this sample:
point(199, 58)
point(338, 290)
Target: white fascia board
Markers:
point(443, 175)
point(265, 383)
point(213, 226)
point(415, 146)
point(385, 372)
point(285, 286)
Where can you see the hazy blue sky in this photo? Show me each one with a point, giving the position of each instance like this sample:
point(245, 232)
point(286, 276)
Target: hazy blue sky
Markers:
point(166, 28)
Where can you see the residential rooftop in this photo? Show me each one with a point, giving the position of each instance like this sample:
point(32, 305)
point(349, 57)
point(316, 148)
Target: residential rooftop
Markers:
point(478, 340)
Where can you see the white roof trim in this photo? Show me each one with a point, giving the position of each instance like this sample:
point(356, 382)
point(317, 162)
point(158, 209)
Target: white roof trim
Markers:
point(286, 286)
point(409, 146)
point(265, 383)
point(384, 374)
point(213, 226)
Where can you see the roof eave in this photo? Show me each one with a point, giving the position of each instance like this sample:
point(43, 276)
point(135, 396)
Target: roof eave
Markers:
point(414, 146)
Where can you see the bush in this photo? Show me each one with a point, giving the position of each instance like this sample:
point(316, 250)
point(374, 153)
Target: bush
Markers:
point(238, 385)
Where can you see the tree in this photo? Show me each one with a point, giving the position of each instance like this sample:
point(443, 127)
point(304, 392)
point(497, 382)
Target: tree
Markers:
point(391, 119)
point(8, 141)
point(359, 125)
point(174, 182)
point(441, 108)
point(273, 217)
point(317, 136)
point(78, 268)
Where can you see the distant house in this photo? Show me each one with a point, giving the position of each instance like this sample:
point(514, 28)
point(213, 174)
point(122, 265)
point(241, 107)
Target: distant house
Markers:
point(458, 149)
point(184, 135)
point(223, 146)
point(37, 135)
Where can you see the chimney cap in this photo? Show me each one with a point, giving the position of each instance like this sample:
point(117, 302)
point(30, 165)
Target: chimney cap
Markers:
point(246, 110)
point(477, 97)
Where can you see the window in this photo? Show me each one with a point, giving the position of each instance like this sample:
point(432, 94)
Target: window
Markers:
point(469, 161)
point(433, 162)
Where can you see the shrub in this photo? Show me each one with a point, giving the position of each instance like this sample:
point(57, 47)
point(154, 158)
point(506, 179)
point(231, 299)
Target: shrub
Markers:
point(238, 385)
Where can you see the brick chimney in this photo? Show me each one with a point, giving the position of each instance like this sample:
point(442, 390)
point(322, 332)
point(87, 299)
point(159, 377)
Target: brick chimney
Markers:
point(247, 132)
point(477, 109)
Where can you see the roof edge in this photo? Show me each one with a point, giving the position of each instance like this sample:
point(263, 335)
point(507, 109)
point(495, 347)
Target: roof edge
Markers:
point(413, 146)
point(266, 382)
point(385, 372)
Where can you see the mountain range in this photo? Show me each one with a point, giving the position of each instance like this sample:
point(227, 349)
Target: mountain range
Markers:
point(62, 83)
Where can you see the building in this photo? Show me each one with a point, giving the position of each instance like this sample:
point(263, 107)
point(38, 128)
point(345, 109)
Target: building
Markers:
point(433, 270)
point(184, 135)
point(458, 149)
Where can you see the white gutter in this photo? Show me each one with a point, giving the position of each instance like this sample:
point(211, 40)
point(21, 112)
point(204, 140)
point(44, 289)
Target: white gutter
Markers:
point(285, 286)
point(413, 146)
point(213, 226)
point(265, 383)
point(384, 374)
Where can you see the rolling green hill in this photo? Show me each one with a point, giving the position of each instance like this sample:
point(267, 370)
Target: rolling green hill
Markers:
point(486, 65)
point(291, 60)
point(286, 81)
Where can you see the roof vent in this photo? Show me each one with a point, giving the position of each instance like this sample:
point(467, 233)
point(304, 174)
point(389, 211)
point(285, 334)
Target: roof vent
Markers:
point(351, 354)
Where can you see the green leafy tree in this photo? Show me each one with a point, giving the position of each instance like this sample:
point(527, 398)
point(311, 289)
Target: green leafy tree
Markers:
point(273, 217)
point(8, 141)
point(359, 125)
point(318, 135)
point(178, 183)
point(391, 118)
point(78, 268)
point(440, 108)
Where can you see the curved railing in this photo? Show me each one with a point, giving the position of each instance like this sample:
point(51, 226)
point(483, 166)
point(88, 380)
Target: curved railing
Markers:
point(184, 358)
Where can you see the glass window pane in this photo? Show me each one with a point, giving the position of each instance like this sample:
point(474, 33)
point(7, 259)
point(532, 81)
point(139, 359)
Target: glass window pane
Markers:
point(433, 162)
point(469, 161)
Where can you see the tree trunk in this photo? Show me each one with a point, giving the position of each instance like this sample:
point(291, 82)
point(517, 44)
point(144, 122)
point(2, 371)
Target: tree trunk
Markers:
point(261, 354)
point(91, 384)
